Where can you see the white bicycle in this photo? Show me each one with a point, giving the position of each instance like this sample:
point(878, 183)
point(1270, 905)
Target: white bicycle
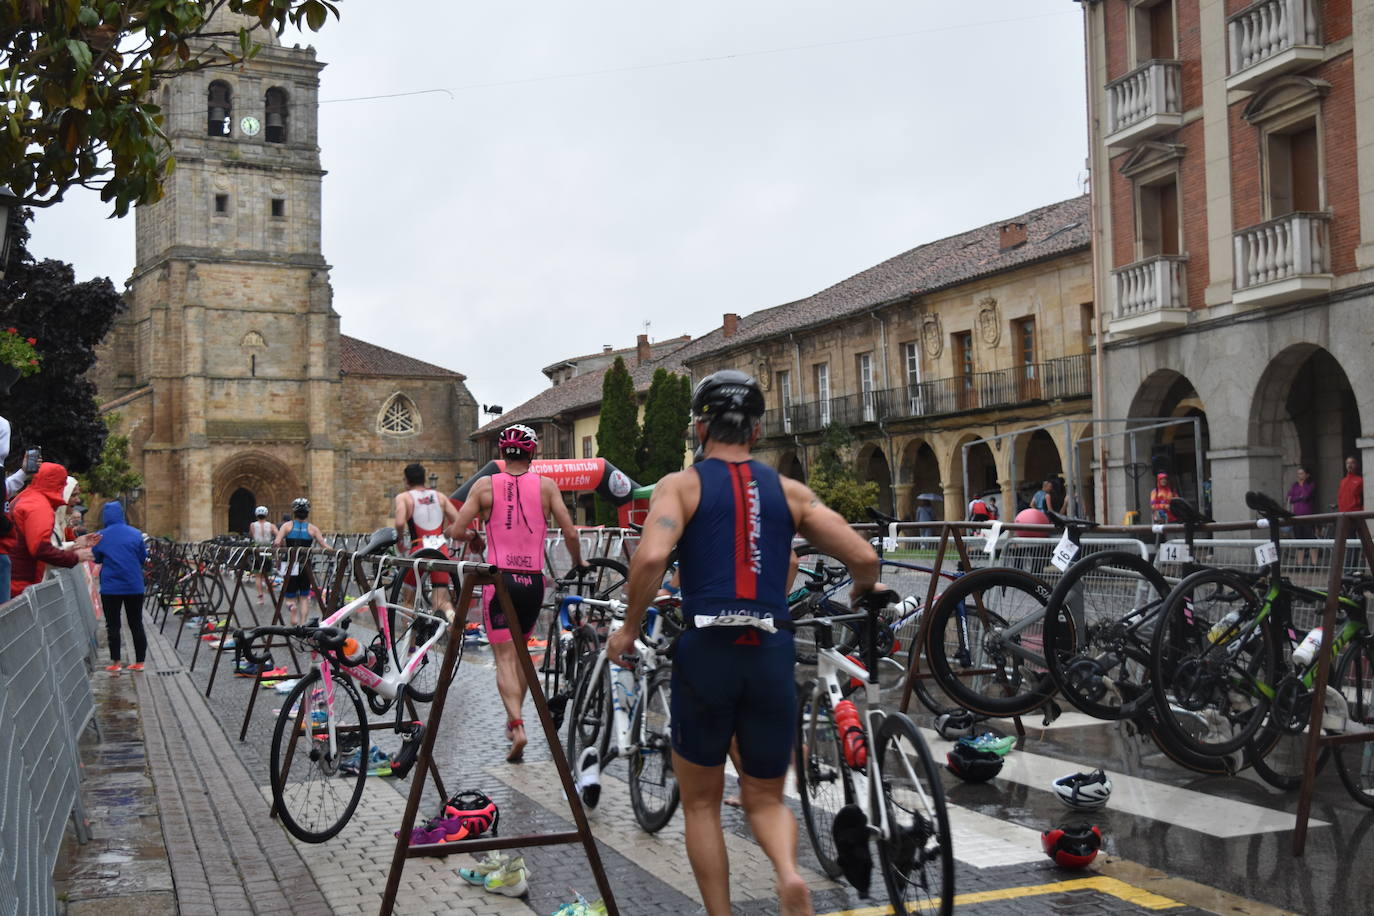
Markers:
point(617, 712)
point(851, 795)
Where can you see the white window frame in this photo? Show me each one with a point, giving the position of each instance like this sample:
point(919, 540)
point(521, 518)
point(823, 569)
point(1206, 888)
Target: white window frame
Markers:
point(822, 373)
point(870, 406)
point(785, 398)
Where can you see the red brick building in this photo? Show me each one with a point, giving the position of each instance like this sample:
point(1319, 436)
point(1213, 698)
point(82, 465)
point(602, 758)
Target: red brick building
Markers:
point(1232, 155)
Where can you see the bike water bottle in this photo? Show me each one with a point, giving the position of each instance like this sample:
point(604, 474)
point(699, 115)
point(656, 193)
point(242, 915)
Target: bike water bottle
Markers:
point(1307, 649)
point(355, 653)
point(908, 605)
point(851, 734)
point(1221, 629)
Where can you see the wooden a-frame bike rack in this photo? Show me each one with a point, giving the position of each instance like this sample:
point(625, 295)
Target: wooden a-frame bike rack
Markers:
point(482, 575)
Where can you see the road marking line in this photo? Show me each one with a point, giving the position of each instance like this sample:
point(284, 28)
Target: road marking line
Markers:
point(1118, 889)
point(1223, 818)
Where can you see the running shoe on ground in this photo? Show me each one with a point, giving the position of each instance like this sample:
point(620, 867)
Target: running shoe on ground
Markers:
point(511, 880)
point(477, 875)
point(378, 763)
point(535, 643)
point(136, 666)
point(285, 687)
point(432, 831)
point(115, 668)
point(580, 907)
point(246, 671)
point(990, 742)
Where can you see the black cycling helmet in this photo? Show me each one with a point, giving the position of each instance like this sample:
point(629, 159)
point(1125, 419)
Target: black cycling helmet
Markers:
point(727, 391)
point(973, 765)
point(1072, 845)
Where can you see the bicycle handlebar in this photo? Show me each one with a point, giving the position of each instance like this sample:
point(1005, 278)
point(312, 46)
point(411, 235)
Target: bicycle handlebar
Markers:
point(329, 640)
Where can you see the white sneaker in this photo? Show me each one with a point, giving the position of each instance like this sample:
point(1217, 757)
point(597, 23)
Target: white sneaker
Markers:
point(510, 880)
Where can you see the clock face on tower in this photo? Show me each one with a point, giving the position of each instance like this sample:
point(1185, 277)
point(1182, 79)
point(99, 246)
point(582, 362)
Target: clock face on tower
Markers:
point(250, 126)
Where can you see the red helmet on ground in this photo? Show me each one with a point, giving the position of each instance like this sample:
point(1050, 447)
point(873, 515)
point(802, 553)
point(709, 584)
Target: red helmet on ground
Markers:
point(1032, 516)
point(1072, 845)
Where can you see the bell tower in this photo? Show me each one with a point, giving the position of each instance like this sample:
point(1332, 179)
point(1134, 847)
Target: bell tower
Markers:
point(226, 366)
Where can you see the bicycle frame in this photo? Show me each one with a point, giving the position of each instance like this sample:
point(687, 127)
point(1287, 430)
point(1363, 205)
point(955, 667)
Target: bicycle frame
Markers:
point(623, 702)
point(830, 665)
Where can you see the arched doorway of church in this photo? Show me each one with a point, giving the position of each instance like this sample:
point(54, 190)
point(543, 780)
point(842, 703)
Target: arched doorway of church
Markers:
point(242, 502)
point(250, 479)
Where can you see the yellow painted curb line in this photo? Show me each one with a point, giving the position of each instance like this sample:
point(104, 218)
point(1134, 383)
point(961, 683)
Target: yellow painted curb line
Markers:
point(1118, 889)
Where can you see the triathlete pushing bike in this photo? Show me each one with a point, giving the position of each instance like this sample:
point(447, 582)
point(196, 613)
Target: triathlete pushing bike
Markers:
point(732, 520)
point(421, 516)
point(515, 503)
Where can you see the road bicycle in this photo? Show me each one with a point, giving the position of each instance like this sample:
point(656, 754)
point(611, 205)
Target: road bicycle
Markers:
point(1222, 654)
point(872, 777)
point(824, 577)
point(572, 638)
point(619, 713)
point(1101, 619)
point(323, 724)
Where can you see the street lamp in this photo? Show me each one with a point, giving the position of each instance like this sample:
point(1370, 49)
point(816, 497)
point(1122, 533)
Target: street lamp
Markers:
point(8, 204)
point(433, 480)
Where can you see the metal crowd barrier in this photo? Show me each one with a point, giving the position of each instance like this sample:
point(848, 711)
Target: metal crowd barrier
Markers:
point(47, 640)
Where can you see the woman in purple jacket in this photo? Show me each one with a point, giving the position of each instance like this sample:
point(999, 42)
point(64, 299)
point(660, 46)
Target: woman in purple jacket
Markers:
point(1302, 500)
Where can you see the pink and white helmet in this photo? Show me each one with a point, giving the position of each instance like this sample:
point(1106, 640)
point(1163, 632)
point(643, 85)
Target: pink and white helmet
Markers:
point(518, 437)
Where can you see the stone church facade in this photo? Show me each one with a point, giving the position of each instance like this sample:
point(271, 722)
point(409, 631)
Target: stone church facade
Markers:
point(228, 369)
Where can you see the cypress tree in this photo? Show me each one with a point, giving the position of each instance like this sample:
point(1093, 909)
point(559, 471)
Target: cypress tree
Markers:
point(666, 415)
point(617, 433)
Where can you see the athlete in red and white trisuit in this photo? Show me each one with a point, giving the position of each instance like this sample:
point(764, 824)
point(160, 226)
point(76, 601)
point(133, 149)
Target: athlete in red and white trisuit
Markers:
point(516, 505)
point(421, 515)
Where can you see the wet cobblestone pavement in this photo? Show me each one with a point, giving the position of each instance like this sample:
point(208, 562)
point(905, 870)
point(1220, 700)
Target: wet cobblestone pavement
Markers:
point(227, 856)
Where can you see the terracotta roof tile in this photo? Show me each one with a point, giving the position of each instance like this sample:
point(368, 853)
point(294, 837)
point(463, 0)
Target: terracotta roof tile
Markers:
point(1052, 230)
point(578, 393)
point(358, 357)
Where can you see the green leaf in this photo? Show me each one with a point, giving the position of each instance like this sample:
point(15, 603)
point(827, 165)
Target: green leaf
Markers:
point(80, 52)
point(88, 17)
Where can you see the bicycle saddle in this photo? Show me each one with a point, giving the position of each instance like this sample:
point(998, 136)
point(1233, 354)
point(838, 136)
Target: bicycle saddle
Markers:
point(1064, 521)
point(882, 518)
point(380, 540)
point(1187, 513)
point(1265, 505)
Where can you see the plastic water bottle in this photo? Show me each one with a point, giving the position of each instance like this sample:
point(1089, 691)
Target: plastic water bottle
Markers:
point(355, 653)
point(1220, 631)
point(851, 734)
point(908, 605)
point(1307, 649)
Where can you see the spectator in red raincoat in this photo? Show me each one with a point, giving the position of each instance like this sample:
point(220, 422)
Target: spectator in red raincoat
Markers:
point(33, 515)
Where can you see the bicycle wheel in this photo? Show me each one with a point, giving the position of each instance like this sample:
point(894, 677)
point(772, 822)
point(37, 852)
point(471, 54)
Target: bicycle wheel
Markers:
point(653, 786)
point(918, 856)
point(985, 642)
point(1110, 601)
point(1353, 682)
point(576, 652)
point(606, 580)
point(589, 723)
point(815, 566)
point(824, 782)
point(312, 795)
point(408, 631)
point(1211, 694)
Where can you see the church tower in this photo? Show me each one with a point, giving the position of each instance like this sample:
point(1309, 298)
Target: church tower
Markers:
point(225, 369)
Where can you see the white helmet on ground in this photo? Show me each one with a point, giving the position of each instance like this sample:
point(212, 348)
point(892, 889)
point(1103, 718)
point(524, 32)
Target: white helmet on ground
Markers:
point(1084, 791)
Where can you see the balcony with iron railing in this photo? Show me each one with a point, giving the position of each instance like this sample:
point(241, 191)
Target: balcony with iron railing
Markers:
point(1066, 377)
point(1283, 259)
point(1151, 295)
point(1144, 103)
point(1271, 37)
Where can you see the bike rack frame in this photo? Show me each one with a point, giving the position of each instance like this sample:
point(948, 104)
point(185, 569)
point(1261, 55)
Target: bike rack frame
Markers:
point(483, 575)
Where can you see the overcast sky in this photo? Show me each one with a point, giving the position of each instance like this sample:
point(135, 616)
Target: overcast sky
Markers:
point(598, 165)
